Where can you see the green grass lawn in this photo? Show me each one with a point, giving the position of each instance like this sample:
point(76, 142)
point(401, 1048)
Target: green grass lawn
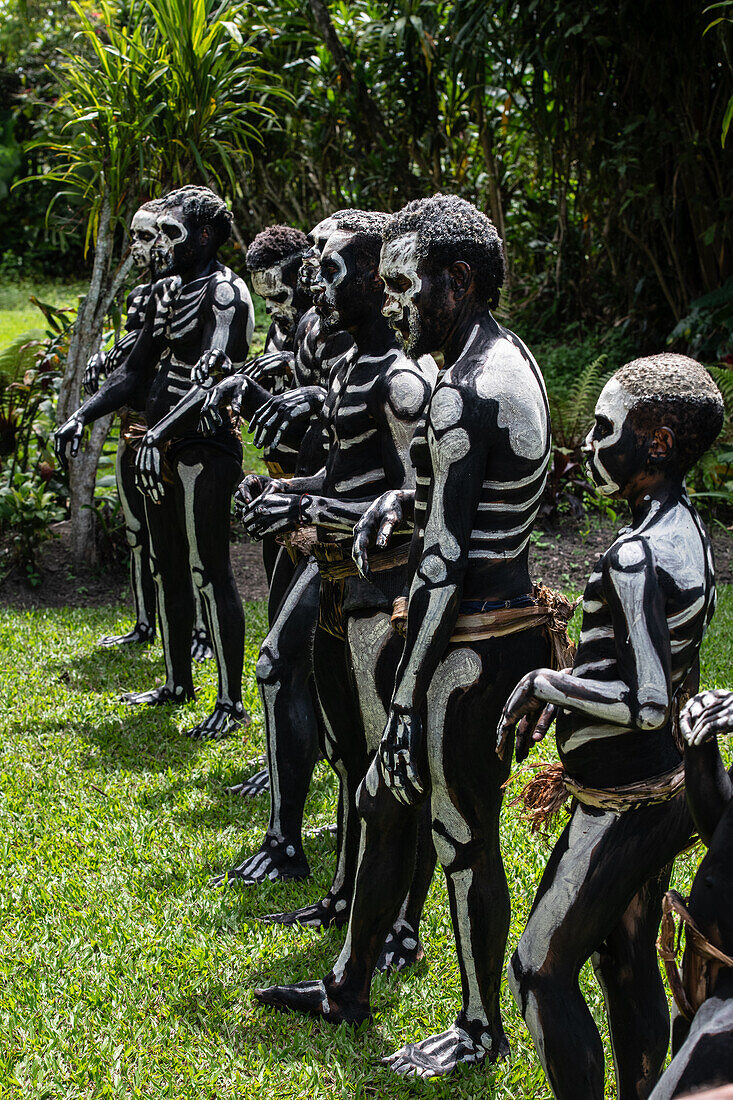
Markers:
point(122, 973)
point(19, 318)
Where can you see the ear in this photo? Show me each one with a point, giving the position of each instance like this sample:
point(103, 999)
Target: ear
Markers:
point(661, 447)
point(461, 277)
point(205, 235)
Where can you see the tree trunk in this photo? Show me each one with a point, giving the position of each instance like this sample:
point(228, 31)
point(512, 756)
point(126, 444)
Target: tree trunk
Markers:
point(82, 479)
point(86, 339)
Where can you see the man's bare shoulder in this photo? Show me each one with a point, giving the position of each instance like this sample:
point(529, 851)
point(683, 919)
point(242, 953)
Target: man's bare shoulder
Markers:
point(226, 289)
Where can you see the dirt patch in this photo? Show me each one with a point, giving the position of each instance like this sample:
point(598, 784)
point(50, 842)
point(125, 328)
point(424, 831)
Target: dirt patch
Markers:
point(108, 583)
point(562, 557)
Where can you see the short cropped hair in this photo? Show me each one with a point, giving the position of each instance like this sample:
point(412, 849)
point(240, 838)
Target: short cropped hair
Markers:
point(677, 392)
point(206, 206)
point(368, 228)
point(276, 245)
point(449, 229)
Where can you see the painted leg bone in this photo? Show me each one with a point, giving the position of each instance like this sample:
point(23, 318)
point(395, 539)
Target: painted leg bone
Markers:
point(169, 567)
point(387, 855)
point(582, 910)
point(291, 724)
point(345, 749)
point(207, 485)
point(136, 532)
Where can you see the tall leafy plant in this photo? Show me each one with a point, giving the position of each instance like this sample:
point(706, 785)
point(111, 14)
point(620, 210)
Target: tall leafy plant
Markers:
point(167, 93)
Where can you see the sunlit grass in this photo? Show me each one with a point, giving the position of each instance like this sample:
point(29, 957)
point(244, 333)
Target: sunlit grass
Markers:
point(122, 973)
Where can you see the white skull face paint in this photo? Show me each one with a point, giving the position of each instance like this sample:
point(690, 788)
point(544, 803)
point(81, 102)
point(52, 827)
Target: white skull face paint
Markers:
point(612, 409)
point(278, 296)
point(172, 233)
point(398, 270)
point(312, 258)
point(143, 231)
point(331, 275)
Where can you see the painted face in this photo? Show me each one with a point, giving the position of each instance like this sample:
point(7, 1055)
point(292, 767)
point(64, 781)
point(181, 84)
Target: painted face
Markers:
point(331, 286)
point(172, 249)
point(312, 258)
point(143, 232)
point(612, 447)
point(398, 271)
point(278, 296)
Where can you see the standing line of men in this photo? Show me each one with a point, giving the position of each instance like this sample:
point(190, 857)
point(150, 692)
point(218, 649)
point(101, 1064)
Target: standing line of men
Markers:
point(404, 627)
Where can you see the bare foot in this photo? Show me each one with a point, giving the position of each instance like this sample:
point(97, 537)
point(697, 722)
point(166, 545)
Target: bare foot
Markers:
point(256, 784)
point(312, 999)
point(139, 635)
point(402, 948)
point(276, 860)
point(157, 697)
point(441, 1054)
point(331, 912)
point(201, 646)
point(224, 719)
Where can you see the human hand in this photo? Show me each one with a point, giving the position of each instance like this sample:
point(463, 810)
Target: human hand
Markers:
point(270, 367)
point(706, 715)
point(272, 513)
point(249, 488)
point(94, 370)
point(67, 440)
point(528, 714)
point(227, 392)
point(273, 418)
point(374, 529)
point(398, 754)
point(211, 367)
point(148, 469)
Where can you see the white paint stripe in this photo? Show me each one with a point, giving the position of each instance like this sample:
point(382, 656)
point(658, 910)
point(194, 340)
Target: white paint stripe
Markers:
point(362, 479)
point(686, 614)
point(507, 555)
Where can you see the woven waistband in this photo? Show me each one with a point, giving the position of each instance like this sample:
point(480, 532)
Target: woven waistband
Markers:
point(646, 792)
point(334, 564)
point(477, 625)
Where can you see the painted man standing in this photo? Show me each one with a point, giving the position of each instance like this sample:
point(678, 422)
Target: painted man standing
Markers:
point(198, 309)
point(376, 398)
point(481, 462)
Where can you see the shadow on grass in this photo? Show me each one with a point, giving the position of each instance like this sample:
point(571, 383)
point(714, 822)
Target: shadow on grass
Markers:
point(104, 669)
point(148, 741)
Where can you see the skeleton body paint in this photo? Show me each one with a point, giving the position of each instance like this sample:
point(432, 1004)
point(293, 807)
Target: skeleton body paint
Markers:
point(143, 232)
point(702, 1031)
point(199, 309)
point(646, 607)
point(375, 398)
point(471, 450)
point(290, 428)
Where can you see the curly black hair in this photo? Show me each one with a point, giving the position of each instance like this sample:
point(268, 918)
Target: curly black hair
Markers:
point(448, 229)
point(368, 228)
point(275, 245)
point(676, 392)
point(206, 206)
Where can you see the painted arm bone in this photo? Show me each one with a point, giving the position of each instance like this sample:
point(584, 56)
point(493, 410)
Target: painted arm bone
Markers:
point(458, 453)
point(641, 699)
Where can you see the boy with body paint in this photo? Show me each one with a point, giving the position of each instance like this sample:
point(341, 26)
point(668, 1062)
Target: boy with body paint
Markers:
point(646, 607)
